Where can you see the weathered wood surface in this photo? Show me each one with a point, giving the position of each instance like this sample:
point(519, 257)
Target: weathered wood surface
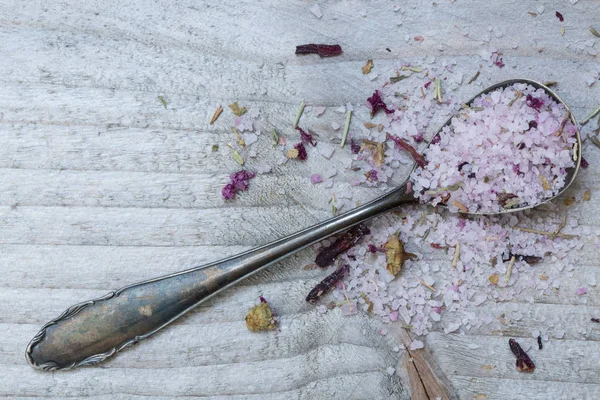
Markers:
point(101, 186)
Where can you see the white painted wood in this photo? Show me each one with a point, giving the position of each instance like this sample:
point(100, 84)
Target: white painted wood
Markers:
point(100, 186)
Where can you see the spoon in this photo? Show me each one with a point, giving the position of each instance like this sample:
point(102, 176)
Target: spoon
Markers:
point(92, 331)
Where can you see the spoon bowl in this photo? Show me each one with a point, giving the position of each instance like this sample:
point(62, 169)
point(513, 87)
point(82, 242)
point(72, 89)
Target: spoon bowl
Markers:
point(92, 331)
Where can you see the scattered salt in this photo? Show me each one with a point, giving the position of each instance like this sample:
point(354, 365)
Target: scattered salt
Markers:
point(316, 11)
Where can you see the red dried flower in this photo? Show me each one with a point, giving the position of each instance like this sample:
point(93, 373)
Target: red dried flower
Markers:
point(238, 182)
point(301, 151)
point(584, 163)
point(533, 102)
point(306, 137)
point(354, 147)
point(426, 85)
point(560, 17)
point(375, 103)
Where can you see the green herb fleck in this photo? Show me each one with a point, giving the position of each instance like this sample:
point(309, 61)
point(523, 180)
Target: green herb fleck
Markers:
point(474, 78)
point(590, 116)
point(438, 90)
point(346, 128)
point(275, 137)
point(398, 78)
point(163, 101)
point(594, 32)
point(237, 111)
point(299, 113)
point(236, 156)
point(215, 148)
point(412, 69)
point(550, 83)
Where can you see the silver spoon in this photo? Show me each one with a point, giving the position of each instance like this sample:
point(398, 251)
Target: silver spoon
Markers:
point(92, 331)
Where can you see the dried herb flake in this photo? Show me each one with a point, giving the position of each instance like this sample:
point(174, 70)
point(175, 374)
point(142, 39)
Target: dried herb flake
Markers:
point(367, 67)
point(237, 111)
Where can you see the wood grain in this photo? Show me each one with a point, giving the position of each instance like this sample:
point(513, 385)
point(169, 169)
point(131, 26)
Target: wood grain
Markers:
point(101, 186)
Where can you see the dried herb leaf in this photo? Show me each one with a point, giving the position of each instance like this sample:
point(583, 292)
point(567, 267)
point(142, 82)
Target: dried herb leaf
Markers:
point(398, 78)
point(237, 111)
point(275, 137)
point(569, 201)
point(594, 32)
point(474, 78)
point(346, 128)
point(237, 157)
point(299, 114)
point(215, 116)
point(587, 195)
point(367, 67)
point(369, 302)
point(215, 148)
point(545, 183)
point(460, 206)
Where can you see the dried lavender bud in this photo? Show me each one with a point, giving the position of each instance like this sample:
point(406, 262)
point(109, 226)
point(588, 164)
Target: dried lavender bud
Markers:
point(346, 241)
point(596, 320)
point(560, 17)
point(523, 363)
point(540, 345)
point(326, 284)
point(323, 50)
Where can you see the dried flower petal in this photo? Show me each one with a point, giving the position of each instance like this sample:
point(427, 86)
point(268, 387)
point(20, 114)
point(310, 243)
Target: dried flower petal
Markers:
point(238, 182)
point(323, 50)
point(560, 17)
point(524, 363)
point(328, 255)
point(316, 178)
point(260, 317)
point(419, 159)
point(306, 138)
point(301, 151)
point(375, 103)
point(354, 147)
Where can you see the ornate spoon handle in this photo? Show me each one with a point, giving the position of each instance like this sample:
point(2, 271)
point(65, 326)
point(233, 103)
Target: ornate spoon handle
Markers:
point(92, 331)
